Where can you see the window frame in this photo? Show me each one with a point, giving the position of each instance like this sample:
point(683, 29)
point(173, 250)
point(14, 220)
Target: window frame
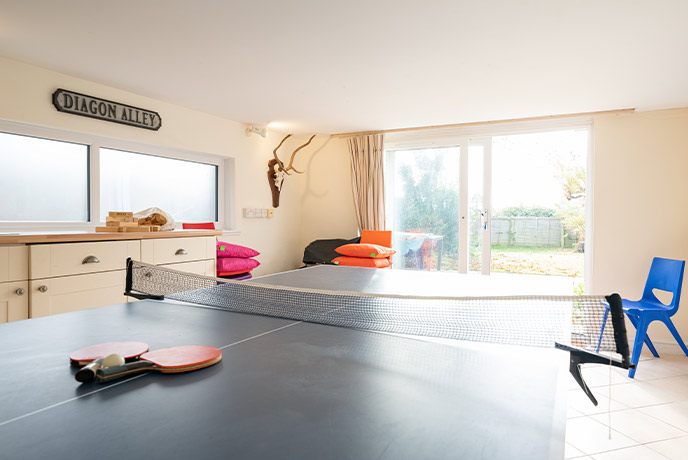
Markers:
point(225, 174)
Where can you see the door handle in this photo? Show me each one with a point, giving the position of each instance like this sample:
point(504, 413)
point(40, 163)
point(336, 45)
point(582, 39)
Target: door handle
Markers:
point(181, 252)
point(483, 218)
point(90, 260)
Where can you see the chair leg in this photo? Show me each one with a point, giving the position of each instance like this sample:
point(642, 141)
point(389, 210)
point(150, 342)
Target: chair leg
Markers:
point(604, 321)
point(640, 335)
point(674, 332)
point(648, 342)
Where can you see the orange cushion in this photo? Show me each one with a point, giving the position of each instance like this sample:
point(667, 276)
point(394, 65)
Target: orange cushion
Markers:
point(362, 262)
point(374, 251)
point(381, 237)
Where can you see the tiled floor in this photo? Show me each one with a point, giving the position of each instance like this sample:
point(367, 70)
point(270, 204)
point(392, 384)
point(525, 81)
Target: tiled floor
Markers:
point(648, 416)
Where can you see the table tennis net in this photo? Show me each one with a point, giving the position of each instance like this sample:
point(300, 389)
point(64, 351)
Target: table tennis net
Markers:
point(539, 321)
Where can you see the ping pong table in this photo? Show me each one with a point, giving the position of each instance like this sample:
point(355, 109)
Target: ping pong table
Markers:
point(284, 389)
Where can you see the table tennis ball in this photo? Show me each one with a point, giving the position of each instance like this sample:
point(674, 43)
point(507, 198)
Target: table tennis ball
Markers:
point(115, 359)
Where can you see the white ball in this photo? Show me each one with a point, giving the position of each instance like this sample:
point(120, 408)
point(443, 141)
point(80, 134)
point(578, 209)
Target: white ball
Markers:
point(115, 359)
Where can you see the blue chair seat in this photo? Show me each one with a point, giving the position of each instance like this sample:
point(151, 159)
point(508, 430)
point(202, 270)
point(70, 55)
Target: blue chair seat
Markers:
point(636, 306)
point(665, 275)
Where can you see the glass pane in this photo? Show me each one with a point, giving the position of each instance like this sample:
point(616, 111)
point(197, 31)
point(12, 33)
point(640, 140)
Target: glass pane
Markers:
point(132, 182)
point(475, 207)
point(42, 180)
point(538, 223)
point(426, 208)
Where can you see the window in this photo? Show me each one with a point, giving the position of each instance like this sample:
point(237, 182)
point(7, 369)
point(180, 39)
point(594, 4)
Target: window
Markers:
point(186, 190)
point(32, 170)
point(52, 179)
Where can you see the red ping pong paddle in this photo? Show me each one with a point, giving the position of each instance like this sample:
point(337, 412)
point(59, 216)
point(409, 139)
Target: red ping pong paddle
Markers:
point(93, 356)
point(167, 360)
point(129, 350)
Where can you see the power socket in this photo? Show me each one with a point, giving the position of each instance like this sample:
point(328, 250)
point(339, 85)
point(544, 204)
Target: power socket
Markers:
point(259, 212)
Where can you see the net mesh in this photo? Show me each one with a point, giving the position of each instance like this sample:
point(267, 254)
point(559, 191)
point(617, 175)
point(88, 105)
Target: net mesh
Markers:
point(538, 321)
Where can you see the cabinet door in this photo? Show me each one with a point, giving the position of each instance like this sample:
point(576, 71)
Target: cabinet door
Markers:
point(14, 301)
point(72, 293)
point(14, 263)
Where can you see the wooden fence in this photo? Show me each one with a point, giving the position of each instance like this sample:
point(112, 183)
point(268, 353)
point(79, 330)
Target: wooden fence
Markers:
point(530, 232)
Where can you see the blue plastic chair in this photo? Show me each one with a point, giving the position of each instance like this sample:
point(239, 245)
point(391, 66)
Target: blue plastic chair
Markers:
point(665, 275)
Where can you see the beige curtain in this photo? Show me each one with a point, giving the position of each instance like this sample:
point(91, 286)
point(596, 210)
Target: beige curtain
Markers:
point(367, 180)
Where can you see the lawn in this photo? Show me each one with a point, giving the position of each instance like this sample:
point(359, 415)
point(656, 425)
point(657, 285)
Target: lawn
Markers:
point(537, 260)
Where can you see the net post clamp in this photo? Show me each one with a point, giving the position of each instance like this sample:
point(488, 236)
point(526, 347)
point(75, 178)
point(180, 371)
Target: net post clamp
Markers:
point(138, 296)
point(578, 356)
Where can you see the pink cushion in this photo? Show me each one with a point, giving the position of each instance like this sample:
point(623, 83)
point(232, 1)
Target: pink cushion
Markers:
point(233, 272)
point(233, 264)
point(234, 250)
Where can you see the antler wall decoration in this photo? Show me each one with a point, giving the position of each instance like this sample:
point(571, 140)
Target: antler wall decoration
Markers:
point(277, 170)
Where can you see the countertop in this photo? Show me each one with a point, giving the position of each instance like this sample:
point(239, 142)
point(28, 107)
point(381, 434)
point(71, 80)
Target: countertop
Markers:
point(80, 236)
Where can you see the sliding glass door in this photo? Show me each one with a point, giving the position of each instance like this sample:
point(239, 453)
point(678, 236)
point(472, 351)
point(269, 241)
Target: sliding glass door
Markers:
point(509, 204)
point(423, 202)
point(538, 203)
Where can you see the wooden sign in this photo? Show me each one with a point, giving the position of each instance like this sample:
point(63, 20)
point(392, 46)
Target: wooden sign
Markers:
point(102, 109)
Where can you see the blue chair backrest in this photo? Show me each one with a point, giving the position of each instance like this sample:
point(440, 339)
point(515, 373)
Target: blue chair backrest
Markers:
point(665, 275)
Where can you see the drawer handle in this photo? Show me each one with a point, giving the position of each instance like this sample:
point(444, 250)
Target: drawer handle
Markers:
point(181, 252)
point(20, 291)
point(43, 288)
point(90, 260)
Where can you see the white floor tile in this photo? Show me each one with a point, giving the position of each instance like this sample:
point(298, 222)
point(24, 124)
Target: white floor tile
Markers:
point(572, 452)
point(590, 436)
point(630, 453)
point(675, 414)
point(579, 401)
point(640, 426)
point(677, 387)
point(598, 375)
point(675, 449)
point(640, 394)
point(573, 413)
point(659, 368)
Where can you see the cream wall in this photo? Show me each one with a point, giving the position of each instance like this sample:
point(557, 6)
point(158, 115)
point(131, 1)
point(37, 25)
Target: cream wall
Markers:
point(25, 92)
point(327, 202)
point(640, 202)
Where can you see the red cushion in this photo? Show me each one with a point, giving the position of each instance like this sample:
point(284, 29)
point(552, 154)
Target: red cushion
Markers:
point(201, 226)
point(374, 251)
point(234, 250)
point(362, 262)
point(232, 264)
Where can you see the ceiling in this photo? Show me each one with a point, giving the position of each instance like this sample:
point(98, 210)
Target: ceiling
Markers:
point(340, 66)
